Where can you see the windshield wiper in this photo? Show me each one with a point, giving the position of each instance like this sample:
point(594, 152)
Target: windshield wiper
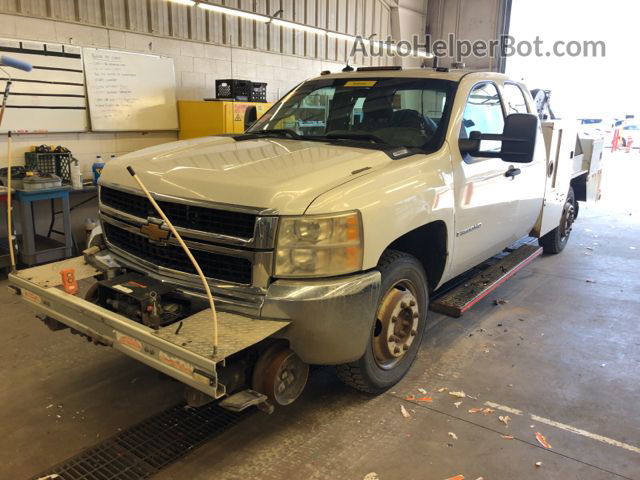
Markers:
point(277, 131)
point(355, 136)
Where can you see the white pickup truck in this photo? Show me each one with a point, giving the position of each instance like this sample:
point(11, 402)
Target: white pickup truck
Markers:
point(323, 231)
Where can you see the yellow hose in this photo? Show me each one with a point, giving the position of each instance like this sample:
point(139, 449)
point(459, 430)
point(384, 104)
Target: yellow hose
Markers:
point(9, 220)
point(214, 315)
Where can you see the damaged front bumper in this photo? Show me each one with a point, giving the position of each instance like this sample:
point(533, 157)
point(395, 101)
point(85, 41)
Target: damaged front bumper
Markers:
point(331, 319)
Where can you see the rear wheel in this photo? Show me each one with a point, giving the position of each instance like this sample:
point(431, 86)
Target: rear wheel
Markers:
point(555, 241)
point(398, 328)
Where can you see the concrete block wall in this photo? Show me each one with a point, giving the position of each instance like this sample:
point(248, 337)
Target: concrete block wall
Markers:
point(197, 66)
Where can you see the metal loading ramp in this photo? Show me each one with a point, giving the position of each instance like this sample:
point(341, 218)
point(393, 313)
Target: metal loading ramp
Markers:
point(235, 333)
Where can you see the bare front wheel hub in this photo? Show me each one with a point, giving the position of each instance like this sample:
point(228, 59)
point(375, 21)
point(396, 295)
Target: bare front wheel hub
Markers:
point(396, 324)
point(280, 374)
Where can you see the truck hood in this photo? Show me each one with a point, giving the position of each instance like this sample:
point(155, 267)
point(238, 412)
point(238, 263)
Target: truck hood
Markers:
point(277, 174)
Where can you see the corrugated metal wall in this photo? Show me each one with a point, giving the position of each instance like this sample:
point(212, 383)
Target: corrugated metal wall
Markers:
point(161, 17)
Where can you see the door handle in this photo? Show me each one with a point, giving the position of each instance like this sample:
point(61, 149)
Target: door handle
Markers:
point(512, 172)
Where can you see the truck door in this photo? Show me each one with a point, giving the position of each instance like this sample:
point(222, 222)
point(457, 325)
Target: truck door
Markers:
point(486, 198)
point(530, 184)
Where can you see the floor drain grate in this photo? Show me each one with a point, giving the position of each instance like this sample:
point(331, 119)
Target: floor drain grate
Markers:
point(145, 448)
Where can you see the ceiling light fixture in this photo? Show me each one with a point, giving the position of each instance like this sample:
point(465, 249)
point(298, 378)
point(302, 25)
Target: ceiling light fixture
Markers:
point(341, 36)
point(234, 12)
point(298, 26)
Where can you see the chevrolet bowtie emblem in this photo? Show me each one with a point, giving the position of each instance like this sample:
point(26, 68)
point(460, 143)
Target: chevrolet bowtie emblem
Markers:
point(154, 232)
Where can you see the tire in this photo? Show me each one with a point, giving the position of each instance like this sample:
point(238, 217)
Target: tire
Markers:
point(555, 241)
point(403, 279)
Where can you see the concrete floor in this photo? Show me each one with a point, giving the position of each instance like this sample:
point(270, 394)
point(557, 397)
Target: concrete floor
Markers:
point(563, 354)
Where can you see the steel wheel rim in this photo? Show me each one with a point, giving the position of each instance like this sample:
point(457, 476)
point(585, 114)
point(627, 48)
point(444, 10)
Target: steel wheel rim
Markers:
point(397, 323)
point(568, 217)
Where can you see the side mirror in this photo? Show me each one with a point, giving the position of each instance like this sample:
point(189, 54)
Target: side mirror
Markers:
point(471, 145)
point(518, 140)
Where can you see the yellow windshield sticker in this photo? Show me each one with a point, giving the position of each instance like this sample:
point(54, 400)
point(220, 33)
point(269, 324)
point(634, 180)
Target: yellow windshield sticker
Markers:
point(360, 83)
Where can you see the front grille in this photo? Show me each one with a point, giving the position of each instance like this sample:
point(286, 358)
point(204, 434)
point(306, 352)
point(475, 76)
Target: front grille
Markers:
point(209, 220)
point(214, 265)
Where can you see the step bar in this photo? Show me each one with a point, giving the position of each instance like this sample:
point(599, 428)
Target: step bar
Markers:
point(462, 298)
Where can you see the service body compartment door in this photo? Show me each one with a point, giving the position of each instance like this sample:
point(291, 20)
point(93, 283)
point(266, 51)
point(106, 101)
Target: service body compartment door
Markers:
point(593, 149)
point(560, 142)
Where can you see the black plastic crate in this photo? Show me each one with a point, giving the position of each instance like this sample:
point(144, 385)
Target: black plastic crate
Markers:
point(258, 92)
point(234, 89)
point(50, 162)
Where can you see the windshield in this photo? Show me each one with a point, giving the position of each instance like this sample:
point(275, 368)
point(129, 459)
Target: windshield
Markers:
point(399, 112)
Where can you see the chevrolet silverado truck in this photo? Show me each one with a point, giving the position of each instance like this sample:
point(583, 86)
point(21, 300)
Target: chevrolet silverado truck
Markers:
point(326, 232)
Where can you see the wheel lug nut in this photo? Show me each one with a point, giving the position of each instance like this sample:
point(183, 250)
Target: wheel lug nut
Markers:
point(405, 347)
point(392, 338)
point(394, 319)
point(412, 303)
point(413, 333)
point(416, 314)
point(403, 305)
point(396, 350)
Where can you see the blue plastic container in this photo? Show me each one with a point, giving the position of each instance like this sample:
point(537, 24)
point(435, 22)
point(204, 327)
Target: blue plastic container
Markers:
point(97, 170)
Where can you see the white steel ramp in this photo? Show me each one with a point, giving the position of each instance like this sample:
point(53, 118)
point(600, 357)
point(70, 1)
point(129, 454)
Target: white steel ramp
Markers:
point(235, 333)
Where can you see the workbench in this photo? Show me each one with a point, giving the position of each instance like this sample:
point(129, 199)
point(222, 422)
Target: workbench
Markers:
point(36, 249)
point(87, 189)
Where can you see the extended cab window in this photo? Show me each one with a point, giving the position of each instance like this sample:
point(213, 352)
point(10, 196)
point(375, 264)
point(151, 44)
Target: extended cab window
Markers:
point(406, 112)
point(514, 99)
point(483, 113)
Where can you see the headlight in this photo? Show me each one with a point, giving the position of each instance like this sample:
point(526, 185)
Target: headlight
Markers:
point(319, 245)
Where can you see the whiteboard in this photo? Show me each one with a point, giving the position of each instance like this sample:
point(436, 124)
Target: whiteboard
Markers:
point(130, 91)
point(50, 98)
